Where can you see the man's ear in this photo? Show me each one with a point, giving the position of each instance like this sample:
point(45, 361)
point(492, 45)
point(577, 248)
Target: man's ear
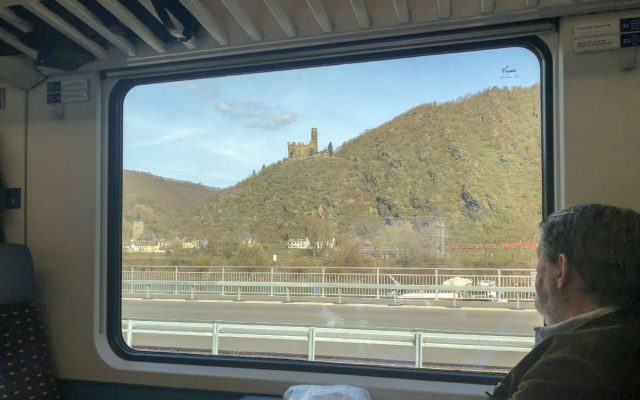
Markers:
point(563, 273)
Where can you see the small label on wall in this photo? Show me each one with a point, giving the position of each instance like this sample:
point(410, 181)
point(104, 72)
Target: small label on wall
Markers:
point(75, 84)
point(76, 96)
point(608, 27)
point(606, 35)
point(596, 28)
point(611, 42)
point(55, 86)
point(53, 98)
point(630, 25)
point(53, 92)
point(69, 91)
point(630, 40)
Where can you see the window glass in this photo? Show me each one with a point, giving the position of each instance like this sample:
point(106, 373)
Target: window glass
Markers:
point(377, 213)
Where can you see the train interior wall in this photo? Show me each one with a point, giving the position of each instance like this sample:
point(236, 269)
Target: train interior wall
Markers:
point(56, 155)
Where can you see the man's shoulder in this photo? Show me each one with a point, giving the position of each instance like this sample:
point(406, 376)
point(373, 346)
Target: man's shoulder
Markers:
point(623, 324)
point(622, 317)
point(598, 359)
point(603, 355)
point(617, 332)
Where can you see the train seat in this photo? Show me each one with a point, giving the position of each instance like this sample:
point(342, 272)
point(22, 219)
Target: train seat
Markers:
point(25, 368)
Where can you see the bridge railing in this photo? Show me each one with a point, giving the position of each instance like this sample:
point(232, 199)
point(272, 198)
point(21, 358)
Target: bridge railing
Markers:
point(495, 285)
point(313, 335)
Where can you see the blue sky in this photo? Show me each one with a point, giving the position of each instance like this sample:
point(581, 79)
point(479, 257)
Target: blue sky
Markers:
point(216, 131)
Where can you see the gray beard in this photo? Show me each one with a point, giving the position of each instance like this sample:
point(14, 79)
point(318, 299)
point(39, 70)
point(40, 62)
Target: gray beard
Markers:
point(548, 308)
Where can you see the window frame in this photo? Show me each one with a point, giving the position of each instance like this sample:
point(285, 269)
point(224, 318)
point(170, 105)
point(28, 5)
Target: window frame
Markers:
point(330, 54)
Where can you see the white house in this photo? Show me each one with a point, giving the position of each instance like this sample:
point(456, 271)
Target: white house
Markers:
point(326, 244)
point(299, 243)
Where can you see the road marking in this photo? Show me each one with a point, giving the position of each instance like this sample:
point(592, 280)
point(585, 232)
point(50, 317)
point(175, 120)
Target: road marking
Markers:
point(404, 306)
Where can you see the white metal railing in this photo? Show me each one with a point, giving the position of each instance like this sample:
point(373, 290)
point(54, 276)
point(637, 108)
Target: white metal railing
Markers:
point(312, 335)
point(500, 284)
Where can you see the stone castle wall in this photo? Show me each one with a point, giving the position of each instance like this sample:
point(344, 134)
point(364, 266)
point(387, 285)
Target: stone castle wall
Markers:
point(301, 150)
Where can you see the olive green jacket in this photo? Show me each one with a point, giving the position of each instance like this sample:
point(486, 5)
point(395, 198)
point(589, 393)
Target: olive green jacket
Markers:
point(598, 360)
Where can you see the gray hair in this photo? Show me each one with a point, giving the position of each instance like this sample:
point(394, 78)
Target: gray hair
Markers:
point(603, 244)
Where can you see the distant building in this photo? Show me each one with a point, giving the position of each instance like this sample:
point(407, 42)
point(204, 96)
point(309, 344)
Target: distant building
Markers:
point(382, 254)
point(249, 241)
point(142, 242)
point(149, 243)
point(151, 248)
point(299, 243)
point(326, 244)
point(301, 150)
point(195, 244)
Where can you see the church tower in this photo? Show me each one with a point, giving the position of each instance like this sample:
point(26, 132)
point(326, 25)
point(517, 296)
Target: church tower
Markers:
point(138, 228)
point(314, 142)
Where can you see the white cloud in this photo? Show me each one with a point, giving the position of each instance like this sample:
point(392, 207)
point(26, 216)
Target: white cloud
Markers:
point(224, 107)
point(259, 115)
point(252, 109)
point(279, 121)
point(285, 118)
point(201, 88)
point(173, 136)
point(256, 112)
point(227, 152)
point(141, 132)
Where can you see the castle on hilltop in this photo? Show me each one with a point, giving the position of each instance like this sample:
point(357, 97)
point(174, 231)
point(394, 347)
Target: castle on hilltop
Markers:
point(301, 150)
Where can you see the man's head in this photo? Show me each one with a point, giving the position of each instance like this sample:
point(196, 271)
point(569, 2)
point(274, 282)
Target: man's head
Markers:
point(588, 257)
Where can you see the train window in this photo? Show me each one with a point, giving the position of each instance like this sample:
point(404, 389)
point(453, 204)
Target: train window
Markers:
point(380, 213)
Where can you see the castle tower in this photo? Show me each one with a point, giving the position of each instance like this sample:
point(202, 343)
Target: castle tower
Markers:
point(314, 141)
point(138, 228)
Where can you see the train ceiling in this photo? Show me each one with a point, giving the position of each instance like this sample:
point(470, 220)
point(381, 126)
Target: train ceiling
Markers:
point(65, 35)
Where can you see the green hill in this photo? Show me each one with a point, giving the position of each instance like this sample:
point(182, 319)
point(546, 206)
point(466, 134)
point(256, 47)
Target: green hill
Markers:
point(473, 164)
point(164, 204)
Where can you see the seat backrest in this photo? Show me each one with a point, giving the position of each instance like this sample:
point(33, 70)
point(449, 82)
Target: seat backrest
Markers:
point(17, 279)
point(25, 369)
